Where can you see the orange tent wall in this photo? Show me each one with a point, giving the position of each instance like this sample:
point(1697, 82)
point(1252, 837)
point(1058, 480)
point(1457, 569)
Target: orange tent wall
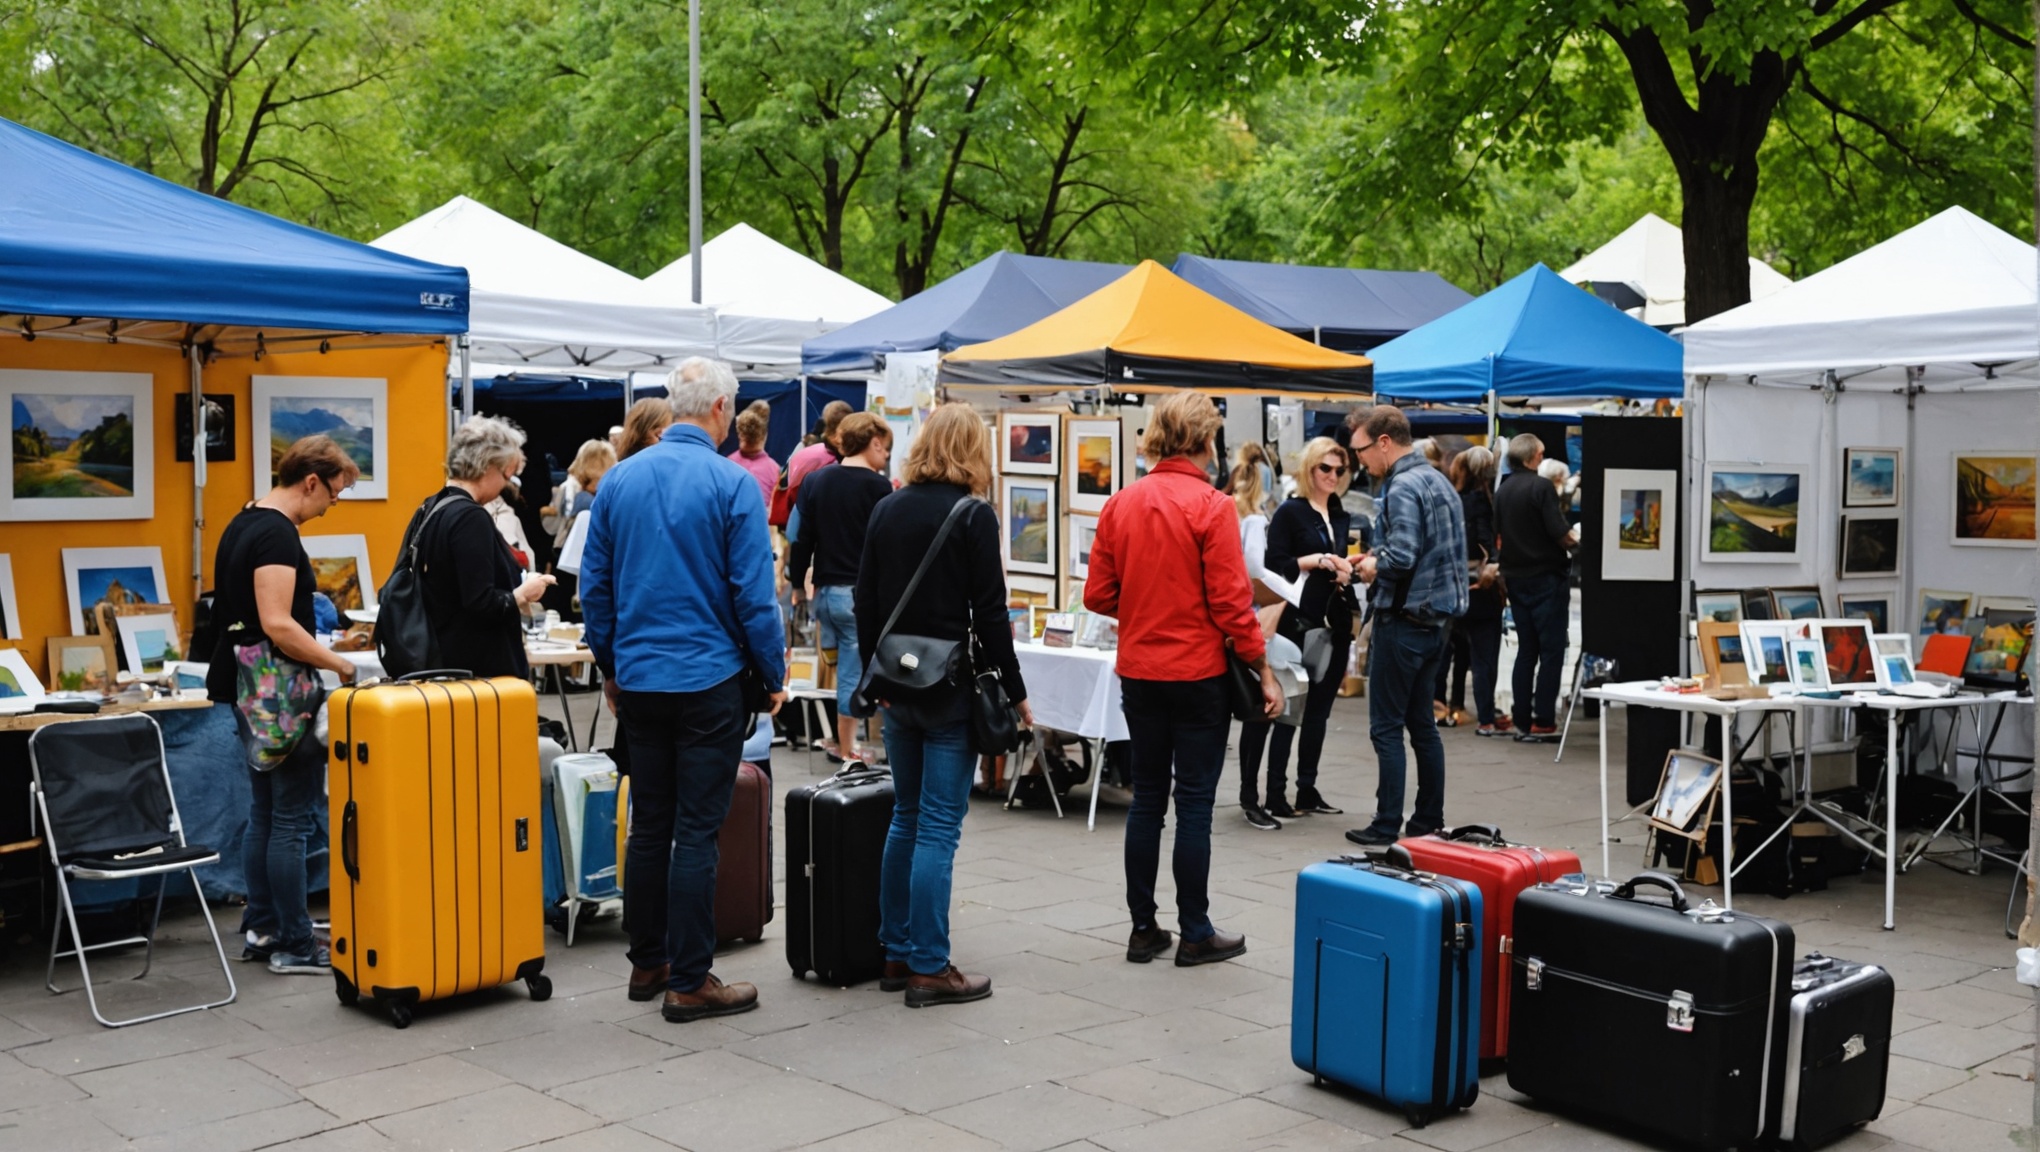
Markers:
point(417, 447)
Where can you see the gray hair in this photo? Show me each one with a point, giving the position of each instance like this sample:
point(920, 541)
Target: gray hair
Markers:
point(482, 445)
point(697, 384)
point(1523, 448)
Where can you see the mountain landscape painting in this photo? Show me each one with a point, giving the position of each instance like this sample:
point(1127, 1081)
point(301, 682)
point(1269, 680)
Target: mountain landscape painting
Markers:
point(1752, 515)
point(66, 447)
point(350, 421)
point(1994, 499)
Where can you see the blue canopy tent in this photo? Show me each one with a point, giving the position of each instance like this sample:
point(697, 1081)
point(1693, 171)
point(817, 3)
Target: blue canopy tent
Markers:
point(1349, 309)
point(998, 295)
point(1535, 336)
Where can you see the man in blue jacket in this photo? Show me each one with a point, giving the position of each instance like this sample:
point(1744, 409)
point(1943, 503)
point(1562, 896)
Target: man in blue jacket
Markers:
point(677, 593)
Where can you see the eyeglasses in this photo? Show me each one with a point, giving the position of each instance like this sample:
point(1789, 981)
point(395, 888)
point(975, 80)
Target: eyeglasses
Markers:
point(331, 491)
point(1332, 469)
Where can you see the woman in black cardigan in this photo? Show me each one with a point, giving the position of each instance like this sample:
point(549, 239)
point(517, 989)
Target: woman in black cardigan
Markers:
point(1473, 474)
point(1307, 542)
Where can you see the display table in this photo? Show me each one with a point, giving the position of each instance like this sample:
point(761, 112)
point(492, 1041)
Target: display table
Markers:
point(1072, 690)
point(552, 656)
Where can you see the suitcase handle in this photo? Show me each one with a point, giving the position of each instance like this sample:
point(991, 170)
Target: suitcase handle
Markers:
point(1627, 890)
point(436, 674)
point(1491, 833)
point(350, 844)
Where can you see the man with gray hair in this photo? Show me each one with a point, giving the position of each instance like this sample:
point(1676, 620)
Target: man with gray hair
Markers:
point(677, 592)
point(1536, 569)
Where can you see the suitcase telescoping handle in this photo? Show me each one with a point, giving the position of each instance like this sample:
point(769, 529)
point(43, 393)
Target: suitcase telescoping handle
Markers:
point(1488, 833)
point(436, 674)
point(350, 843)
point(1627, 890)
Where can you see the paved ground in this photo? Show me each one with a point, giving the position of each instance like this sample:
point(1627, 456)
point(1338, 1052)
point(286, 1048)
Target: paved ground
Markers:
point(1078, 1049)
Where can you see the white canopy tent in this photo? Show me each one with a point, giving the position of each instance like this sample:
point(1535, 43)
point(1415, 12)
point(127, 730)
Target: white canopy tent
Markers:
point(1649, 258)
point(767, 297)
point(539, 305)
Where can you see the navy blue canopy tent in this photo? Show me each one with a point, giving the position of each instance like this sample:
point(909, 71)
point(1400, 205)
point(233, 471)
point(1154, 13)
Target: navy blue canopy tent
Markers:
point(1350, 309)
point(998, 295)
point(84, 238)
point(1535, 336)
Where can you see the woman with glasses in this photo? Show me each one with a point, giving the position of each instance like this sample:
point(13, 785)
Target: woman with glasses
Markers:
point(1307, 544)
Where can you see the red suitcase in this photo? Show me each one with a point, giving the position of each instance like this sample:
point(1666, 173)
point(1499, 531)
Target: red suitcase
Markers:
point(1477, 852)
point(743, 875)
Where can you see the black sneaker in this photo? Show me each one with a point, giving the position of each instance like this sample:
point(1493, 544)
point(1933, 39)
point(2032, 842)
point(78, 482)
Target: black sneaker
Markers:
point(1372, 837)
point(1308, 801)
point(1279, 808)
point(1147, 943)
point(1259, 818)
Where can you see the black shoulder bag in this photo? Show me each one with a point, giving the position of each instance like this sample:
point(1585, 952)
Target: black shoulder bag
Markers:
point(906, 667)
point(403, 629)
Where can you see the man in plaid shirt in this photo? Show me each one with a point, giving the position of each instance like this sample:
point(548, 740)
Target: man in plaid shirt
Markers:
point(1418, 575)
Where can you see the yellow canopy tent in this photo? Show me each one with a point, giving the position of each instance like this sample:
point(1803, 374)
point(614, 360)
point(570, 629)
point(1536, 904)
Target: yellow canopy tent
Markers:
point(1152, 331)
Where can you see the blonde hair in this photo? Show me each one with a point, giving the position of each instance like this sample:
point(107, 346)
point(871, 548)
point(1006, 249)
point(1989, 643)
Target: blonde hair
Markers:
point(594, 458)
point(1183, 425)
point(953, 447)
point(1245, 484)
point(1314, 454)
point(647, 420)
point(752, 425)
point(858, 430)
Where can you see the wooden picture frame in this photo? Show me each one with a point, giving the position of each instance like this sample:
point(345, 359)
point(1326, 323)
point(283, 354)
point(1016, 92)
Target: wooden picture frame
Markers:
point(82, 664)
point(1722, 605)
point(1688, 786)
point(1722, 653)
point(1870, 546)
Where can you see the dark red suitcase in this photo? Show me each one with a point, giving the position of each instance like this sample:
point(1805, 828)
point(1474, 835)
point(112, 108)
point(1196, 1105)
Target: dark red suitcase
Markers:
point(1477, 853)
point(743, 872)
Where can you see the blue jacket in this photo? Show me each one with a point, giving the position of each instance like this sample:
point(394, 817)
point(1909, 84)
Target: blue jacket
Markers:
point(676, 582)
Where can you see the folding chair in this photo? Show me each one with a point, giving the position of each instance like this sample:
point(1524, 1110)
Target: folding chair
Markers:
point(102, 790)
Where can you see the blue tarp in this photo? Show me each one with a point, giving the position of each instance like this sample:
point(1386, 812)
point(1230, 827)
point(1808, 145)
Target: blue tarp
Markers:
point(1350, 309)
point(84, 236)
point(997, 296)
point(1534, 336)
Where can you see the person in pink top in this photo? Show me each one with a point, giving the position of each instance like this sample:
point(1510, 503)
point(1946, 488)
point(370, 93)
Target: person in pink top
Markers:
point(805, 461)
point(752, 424)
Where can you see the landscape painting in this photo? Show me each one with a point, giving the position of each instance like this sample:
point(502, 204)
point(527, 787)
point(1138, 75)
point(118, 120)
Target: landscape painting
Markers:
point(1639, 524)
point(17, 679)
point(354, 412)
point(1753, 514)
point(1094, 463)
point(113, 576)
point(341, 570)
point(1029, 515)
point(80, 446)
point(1642, 509)
point(1994, 499)
point(1870, 478)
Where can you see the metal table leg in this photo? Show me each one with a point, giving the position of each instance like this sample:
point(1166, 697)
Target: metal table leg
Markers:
point(1606, 707)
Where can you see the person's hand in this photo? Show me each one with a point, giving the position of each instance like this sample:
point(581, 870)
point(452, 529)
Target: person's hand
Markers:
point(1366, 569)
point(810, 587)
point(347, 671)
point(778, 701)
point(1272, 698)
point(533, 588)
point(609, 694)
point(1026, 713)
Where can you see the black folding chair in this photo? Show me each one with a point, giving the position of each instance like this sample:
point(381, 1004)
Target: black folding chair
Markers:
point(102, 790)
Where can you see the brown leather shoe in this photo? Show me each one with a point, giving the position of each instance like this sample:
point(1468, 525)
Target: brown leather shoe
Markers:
point(646, 983)
point(896, 976)
point(713, 998)
point(951, 987)
point(1210, 950)
point(1147, 943)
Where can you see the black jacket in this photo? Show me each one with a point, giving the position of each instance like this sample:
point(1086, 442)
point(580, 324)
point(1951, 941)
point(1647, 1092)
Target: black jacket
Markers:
point(1296, 531)
point(964, 590)
point(835, 511)
point(1478, 504)
point(1532, 526)
point(469, 577)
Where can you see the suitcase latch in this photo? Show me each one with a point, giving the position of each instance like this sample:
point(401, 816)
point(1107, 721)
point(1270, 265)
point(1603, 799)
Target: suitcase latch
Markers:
point(1679, 1012)
point(1853, 1047)
point(1462, 936)
point(1533, 974)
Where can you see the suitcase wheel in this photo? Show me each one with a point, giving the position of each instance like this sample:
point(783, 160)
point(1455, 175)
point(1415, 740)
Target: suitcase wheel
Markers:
point(1417, 1117)
point(1466, 1100)
point(400, 1015)
point(540, 987)
point(346, 991)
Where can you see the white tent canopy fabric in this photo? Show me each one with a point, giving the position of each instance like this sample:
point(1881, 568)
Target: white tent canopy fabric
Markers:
point(1650, 257)
point(767, 297)
point(1953, 294)
point(538, 304)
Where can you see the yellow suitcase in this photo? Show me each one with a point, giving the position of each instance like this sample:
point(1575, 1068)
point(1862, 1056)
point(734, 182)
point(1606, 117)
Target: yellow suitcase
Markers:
point(435, 807)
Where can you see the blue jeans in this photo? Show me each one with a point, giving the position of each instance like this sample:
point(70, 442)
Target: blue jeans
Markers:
point(836, 615)
point(931, 770)
point(283, 813)
point(1542, 602)
point(1402, 667)
point(1178, 730)
point(684, 750)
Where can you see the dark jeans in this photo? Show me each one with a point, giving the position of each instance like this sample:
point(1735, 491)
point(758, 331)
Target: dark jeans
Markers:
point(1255, 737)
point(1452, 670)
point(684, 750)
point(1178, 730)
point(1402, 667)
point(283, 812)
point(1484, 651)
point(1541, 603)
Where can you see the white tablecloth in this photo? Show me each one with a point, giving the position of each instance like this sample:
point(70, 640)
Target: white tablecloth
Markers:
point(1073, 690)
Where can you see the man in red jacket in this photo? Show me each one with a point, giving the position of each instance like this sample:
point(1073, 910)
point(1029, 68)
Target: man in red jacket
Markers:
point(1167, 565)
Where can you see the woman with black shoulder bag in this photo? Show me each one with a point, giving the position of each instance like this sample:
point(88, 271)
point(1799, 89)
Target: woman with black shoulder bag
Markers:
point(1307, 545)
point(931, 621)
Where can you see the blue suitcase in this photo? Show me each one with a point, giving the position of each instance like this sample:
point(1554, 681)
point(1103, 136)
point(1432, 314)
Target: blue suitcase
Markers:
point(1388, 979)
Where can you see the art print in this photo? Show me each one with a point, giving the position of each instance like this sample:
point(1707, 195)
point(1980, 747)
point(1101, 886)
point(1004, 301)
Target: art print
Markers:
point(1994, 499)
point(1720, 607)
point(220, 432)
point(1874, 608)
point(1753, 513)
point(1689, 780)
point(1796, 604)
point(1639, 523)
point(1083, 530)
point(354, 412)
point(1809, 667)
point(1027, 511)
point(341, 570)
point(1870, 478)
point(1766, 649)
point(19, 688)
point(1846, 651)
point(112, 576)
point(1870, 545)
point(10, 612)
point(81, 664)
point(1094, 463)
point(1942, 613)
point(81, 446)
point(1028, 443)
point(149, 642)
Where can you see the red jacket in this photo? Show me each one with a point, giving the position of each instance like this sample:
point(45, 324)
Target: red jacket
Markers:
point(1166, 564)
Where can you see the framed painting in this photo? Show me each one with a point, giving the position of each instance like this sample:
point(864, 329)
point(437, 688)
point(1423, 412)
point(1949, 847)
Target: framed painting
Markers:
point(1870, 477)
point(1083, 529)
point(1767, 651)
point(341, 570)
point(1874, 607)
point(1639, 524)
point(1722, 654)
point(116, 576)
point(1720, 607)
point(1809, 668)
point(82, 445)
point(82, 664)
point(1753, 512)
point(1869, 546)
point(1756, 604)
point(1942, 613)
point(19, 688)
point(354, 411)
point(220, 433)
point(149, 641)
point(10, 612)
point(1851, 661)
point(1997, 660)
point(1028, 443)
point(1796, 604)
point(1027, 516)
point(1095, 462)
point(1994, 499)
point(1689, 781)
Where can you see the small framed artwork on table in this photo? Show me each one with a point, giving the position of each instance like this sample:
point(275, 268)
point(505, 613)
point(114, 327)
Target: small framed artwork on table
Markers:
point(1721, 653)
point(148, 636)
point(116, 576)
point(1719, 607)
point(1870, 477)
point(19, 689)
point(1766, 649)
point(1027, 511)
point(1796, 604)
point(1095, 461)
point(1028, 443)
point(1869, 546)
point(1894, 658)
point(1873, 606)
point(82, 664)
point(1848, 656)
point(1808, 664)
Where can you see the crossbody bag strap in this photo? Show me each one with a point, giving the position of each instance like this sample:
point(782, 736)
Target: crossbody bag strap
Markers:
point(956, 511)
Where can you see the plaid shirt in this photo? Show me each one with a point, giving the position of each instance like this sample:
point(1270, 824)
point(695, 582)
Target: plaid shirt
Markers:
point(1420, 550)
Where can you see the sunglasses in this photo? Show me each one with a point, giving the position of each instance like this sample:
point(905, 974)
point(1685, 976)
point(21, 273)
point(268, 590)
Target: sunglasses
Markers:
point(1332, 469)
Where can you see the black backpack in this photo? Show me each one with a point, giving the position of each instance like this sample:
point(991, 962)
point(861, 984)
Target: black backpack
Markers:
point(403, 628)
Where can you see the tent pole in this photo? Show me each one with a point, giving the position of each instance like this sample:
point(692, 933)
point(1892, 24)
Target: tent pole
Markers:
point(467, 382)
point(803, 406)
point(198, 478)
point(1494, 430)
point(694, 145)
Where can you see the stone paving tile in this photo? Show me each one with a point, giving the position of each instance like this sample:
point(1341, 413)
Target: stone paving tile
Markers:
point(956, 1075)
point(2007, 1099)
point(508, 1117)
point(1165, 1033)
point(1968, 1006)
point(1148, 1089)
point(1234, 1124)
point(385, 1091)
point(565, 1055)
point(1939, 1128)
point(1959, 1047)
point(173, 1092)
point(1042, 1116)
point(352, 1138)
point(649, 1088)
point(906, 1133)
point(21, 1084)
point(1488, 1122)
point(614, 1138)
point(1913, 1080)
point(1018, 1014)
point(240, 1133)
point(1244, 1065)
point(1316, 1136)
point(13, 1035)
point(363, 1049)
point(836, 1049)
point(770, 1112)
point(60, 1127)
point(108, 1048)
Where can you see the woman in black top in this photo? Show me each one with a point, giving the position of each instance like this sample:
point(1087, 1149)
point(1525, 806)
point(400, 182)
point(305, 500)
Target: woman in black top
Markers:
point(928, 740)
point(835, 507)
point(1307, 542)
point(475, 593)
point(1473, 474)
point(263, 587)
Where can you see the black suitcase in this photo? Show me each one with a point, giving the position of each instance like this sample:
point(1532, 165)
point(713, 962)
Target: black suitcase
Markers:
point(835, 843)
point(1662, 1015)
point(1837, 1049)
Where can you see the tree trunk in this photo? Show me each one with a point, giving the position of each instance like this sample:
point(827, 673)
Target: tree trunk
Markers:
point(1716, 228)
